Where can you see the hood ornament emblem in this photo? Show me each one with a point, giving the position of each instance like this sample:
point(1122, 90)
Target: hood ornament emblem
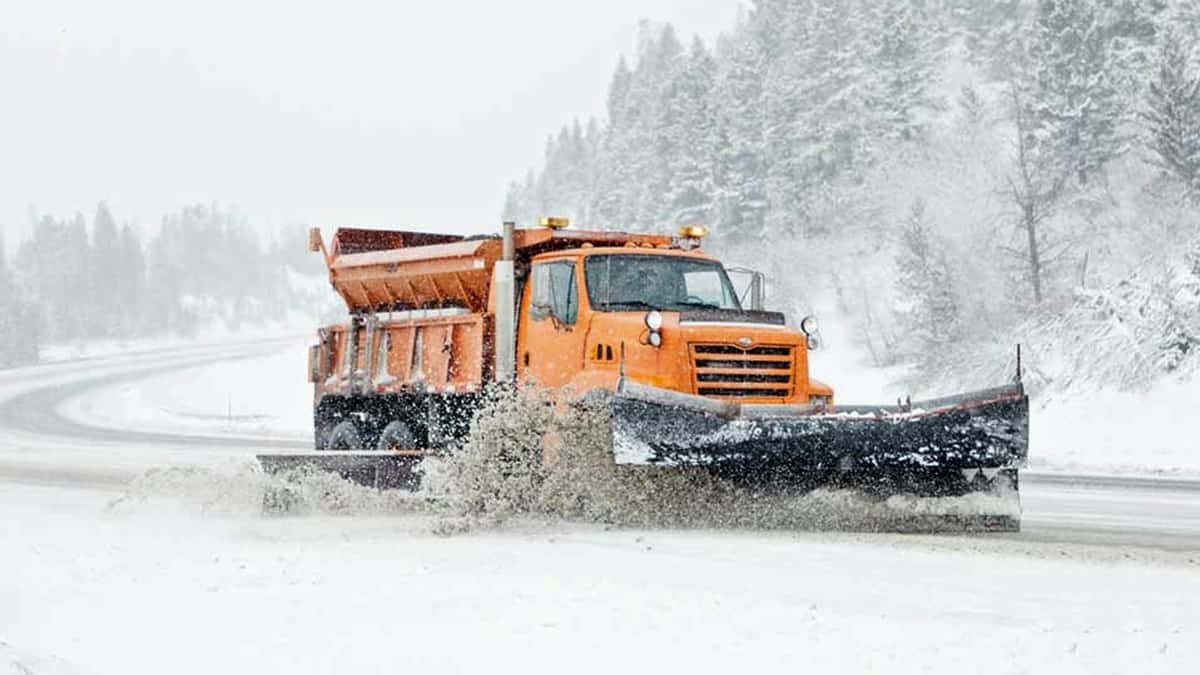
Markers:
point(744, 342)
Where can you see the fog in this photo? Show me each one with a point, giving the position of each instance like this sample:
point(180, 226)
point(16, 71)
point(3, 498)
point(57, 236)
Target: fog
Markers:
point(297, 113)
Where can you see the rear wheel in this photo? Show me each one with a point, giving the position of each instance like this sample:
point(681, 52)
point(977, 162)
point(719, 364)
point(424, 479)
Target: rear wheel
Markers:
point(344, 436)
point(397, 436)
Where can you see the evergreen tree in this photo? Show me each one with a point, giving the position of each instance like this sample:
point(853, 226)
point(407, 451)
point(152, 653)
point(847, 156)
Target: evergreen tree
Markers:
point(130, 282)
point(652, 146)
point(18, 320)
point(1131, 29)
point(1172, 115)
point(741, 190)
point(907, 55)
point(104, 302)
point(613, 187)
point(924, 283)
point(689, 195)
point(990, 31)
point(1071, 88)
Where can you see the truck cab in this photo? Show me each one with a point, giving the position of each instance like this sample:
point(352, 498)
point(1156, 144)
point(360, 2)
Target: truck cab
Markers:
point(664, 316)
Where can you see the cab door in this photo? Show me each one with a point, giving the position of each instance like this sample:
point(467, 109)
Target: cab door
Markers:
point(551, 337)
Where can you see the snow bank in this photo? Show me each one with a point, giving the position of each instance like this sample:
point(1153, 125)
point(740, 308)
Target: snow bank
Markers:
point(1150, 432)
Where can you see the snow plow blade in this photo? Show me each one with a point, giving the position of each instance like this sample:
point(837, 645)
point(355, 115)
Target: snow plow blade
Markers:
point(382, 469)
point(785, 445)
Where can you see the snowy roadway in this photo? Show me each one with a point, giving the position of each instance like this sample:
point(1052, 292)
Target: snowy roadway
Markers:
point(1104, 577)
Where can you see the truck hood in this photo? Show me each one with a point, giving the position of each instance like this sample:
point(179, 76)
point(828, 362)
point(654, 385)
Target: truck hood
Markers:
point(745, 316)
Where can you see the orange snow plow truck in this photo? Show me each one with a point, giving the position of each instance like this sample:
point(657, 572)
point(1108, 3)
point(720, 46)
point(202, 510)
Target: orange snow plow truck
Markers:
point(698, 374)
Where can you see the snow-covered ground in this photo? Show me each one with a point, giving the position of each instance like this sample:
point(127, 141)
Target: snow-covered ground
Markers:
point(93, 585)
point(261, 396)
point(181, 572)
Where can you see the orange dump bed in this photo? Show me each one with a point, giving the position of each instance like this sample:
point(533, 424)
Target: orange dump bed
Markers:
point(379, 270)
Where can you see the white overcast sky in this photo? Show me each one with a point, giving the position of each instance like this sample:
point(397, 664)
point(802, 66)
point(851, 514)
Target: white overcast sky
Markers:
point(351, 112)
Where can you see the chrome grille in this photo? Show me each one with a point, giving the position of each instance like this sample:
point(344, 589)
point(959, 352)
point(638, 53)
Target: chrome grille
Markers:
point(729, 371)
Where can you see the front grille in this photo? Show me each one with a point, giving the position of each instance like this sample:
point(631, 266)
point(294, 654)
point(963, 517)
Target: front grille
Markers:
point(728, 371)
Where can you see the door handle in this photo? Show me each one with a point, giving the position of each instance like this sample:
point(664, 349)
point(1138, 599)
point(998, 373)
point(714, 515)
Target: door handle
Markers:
point(526, 359)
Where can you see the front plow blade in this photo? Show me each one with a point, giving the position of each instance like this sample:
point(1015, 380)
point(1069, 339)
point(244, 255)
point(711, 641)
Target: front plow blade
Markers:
point(986, 429)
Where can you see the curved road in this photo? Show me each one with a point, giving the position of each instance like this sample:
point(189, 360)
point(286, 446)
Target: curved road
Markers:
point(38, 444)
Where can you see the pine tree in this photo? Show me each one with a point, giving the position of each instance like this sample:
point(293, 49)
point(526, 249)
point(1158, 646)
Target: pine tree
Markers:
point(689, 196)
point(990, 32)
point(907, 56)
point(930, 307)
point(653, 146)
point(613, 188)
point(1131, 29)
point(1172, 115)
point(18, 324)
point(741, 150)
point(1071, 88)
point(130, 282)
point(104, 302)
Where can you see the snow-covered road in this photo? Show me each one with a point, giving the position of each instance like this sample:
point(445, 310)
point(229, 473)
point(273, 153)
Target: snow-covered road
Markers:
point(1105, 576)
point(53, 421)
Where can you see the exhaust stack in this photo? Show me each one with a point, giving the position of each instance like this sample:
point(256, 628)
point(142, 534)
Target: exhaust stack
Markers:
point(504, 286)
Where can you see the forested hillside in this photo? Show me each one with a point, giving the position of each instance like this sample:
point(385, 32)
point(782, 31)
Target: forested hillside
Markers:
point(75, 280)
point(954, 176)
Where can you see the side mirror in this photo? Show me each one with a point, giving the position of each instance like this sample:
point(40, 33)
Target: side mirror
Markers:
point(315, 244)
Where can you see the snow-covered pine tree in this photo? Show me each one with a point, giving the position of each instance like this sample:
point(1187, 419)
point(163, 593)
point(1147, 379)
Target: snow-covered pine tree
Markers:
point(990, 31)
point(908, 42)
point(130, 283)
point(689, 104)
point(104, 304)
point(653, 146)
point(1071, 87)
point(781, 30)
point(1181, 313)
point(1131, 29)
point(929, 308)
point(613, 188)
point(520, 204)
point(18, 320)
point(741, 199)
point(1172, 114)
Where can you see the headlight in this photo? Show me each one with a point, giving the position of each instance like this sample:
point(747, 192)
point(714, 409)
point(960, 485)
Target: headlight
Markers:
point(809, 325)
point(655, 339)
point(654, 320)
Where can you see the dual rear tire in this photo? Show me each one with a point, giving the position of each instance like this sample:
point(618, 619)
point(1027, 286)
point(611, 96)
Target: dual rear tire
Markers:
point(345, 435)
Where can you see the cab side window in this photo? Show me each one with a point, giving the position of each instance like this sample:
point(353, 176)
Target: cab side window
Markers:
point(555, 293)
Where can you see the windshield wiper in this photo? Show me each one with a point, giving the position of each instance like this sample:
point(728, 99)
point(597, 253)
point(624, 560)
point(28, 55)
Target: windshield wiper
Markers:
point(701, 305)
point(631, 304)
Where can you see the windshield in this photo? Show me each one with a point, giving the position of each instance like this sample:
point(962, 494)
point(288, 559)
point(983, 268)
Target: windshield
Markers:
point(638, 281)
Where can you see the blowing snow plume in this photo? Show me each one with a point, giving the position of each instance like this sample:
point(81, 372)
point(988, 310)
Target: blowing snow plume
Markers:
point(500, 473)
